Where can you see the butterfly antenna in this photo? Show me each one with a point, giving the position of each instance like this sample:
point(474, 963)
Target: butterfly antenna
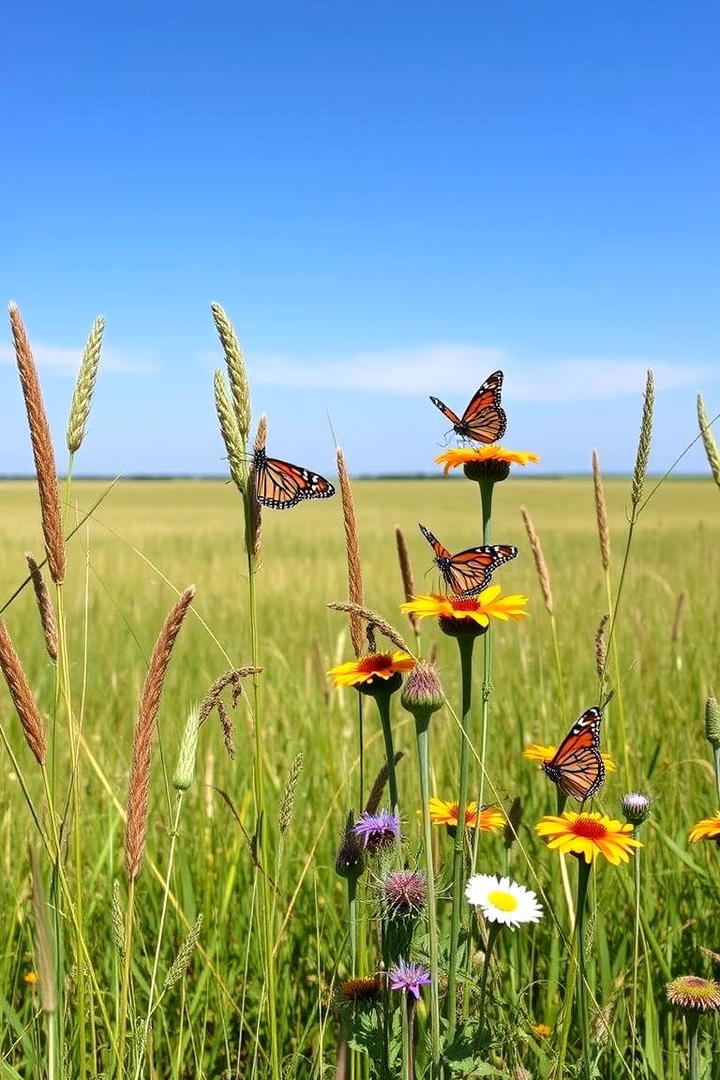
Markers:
point(622, 680)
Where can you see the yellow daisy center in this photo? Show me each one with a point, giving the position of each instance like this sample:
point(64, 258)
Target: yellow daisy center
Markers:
point(375, 663)
point(503, 901)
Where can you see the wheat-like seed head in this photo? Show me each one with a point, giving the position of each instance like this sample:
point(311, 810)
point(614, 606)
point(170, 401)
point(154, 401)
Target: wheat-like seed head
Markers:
point(601, 647)
point(237, 371)
point(713, 455)
point(374, 621)
point(406, 573)
point(539, 557)
point(22, 698)
point(180, 963)
point(42, 448)
point(287, 803)
point(234, 443)
point(643, 450)
point(45, 607)
point(84, 387)
point(601, 512)
point(376, 791)
point(352, 546)
point(679, 618)
point(138, 788)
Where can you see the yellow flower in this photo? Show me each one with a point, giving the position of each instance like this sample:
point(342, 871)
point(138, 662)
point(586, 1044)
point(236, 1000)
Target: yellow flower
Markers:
point(543, 754)
point(457, 456)
point(30, 977)
point(707, 829)
point(541, 1030)
point(367, 668)
point(478, 609)
point(588, 835)
point(446, 813)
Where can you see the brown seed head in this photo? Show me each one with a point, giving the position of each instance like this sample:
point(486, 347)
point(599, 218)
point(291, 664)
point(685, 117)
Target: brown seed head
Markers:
point(22, 697)
point(42, 448)
point(539, 557)
point(352, 546)
point(601, 512)
point(45, 607)
point(137, 802)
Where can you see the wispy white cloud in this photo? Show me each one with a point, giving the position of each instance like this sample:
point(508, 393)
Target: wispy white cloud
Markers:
point(66, 361)
point(446, 368)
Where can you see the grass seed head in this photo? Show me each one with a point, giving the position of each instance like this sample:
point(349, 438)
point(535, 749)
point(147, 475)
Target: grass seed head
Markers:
point(601, 512)
point(234, 443)
point(45, 607)
point(643, 450)
point(713, 455)
point(352, 547)
point(42, 448)
point(287, 803)
point(539, 557)
point(185, 768)
point(237, 372)
point(22, 698)
point(84, 387)
point(712, 722)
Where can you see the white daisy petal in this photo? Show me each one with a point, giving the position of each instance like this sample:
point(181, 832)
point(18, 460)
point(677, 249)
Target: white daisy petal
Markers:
point(503, 901)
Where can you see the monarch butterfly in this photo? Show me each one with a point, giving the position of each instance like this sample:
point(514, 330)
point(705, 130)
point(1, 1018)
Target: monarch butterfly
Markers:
point(483, 420)
point(577, 767)
point(280, 485)
point(469, 571)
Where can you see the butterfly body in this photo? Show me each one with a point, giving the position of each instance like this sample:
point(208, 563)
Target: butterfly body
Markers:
point(577, 766)
point(469, 571)
point(280, 485)
point(484, 420)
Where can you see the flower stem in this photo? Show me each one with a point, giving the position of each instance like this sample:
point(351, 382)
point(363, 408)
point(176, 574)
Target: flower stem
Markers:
point(383, 704)
point(716, 752)
point(492, 936)
point(584, 869)
point(465, 645)
point(408, 1024)
point(636, 954)
point(487, 488)
point(361, 740)
point(693, 1022)
point(423, 734)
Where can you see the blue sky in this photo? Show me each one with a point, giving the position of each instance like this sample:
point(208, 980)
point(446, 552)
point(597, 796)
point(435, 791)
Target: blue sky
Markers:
point(390, 200)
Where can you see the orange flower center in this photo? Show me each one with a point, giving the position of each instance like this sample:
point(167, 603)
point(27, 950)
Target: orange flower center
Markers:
point(464, 603)
point(377, 662)
point(589, 828)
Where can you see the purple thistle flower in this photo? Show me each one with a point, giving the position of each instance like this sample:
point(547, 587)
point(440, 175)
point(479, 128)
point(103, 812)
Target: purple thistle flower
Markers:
point(377, 831)
point(409, 976)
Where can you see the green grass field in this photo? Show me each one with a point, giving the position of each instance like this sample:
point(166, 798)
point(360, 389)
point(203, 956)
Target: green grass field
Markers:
point(149, 539)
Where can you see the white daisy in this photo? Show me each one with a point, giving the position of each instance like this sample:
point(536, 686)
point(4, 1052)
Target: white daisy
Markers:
point(502, 900)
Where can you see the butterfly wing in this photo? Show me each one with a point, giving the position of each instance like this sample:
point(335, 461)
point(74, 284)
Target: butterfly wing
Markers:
point(280, 485)
point(470, 571)
point(484, 420)
point(577, 767)
point(452, 417)
point(440, 551)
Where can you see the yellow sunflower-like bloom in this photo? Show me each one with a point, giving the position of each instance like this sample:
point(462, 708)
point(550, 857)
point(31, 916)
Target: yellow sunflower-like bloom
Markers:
point(543, 754)
point(367, 668)
point(707, 829)
point(457, 456)
point(490, 818)
point(588, 835)
point(489, 603)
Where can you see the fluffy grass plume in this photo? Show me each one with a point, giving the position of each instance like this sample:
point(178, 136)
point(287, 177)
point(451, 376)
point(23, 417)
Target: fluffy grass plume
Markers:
point(713, 455)
point(22, 697)
point(84, 387)
point(45, 607)
point(237, 373)
point(42, 448)
point(138, 788)
point(352, 549)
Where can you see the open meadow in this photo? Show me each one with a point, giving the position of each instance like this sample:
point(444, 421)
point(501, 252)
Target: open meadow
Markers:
point(149, 540)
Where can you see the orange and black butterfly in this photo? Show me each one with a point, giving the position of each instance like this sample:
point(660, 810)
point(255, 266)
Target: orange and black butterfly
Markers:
point(280, 485)
point(469, 571)
point(483, 420)
point(577, 767)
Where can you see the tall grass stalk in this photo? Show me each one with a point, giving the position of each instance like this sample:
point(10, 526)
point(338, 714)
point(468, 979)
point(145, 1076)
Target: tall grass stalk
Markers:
point(422, 734)
point(466, 643)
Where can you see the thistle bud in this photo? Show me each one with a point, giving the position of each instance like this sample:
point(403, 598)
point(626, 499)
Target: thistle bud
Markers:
point(422, 693)
point(185, 768)
point(350, 861)
point(636, 808)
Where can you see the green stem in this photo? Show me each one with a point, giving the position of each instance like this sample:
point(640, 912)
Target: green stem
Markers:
point(487, 488)
point(716, 754)
point(361, 753)
point(636, 955)
point(493, 933)
point(163, 912)
point(408, 1023)
point(584, 869)
point(693, 1023)
point(383, 704)
point(465, 645)
point(618, 696)
point(125, 988)
point(422, 731)
point(558, 670)
point(352, 913)
point(261, 832)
